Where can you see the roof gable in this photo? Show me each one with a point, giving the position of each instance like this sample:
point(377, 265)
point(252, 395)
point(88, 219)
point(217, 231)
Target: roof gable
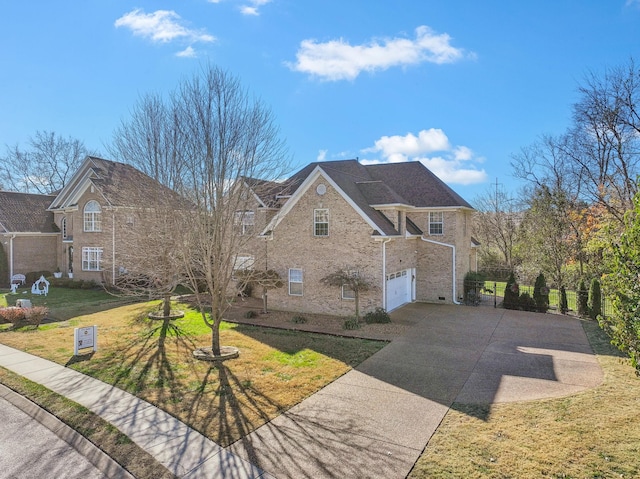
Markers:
point(25, 213)
point(369, 188)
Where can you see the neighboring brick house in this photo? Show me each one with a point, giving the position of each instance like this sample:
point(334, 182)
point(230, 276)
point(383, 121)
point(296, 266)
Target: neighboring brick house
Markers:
point(28, 233)
point(96, 212)
point(399, 225)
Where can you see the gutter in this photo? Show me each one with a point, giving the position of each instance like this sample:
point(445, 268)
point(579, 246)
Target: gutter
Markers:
point(384, 272)
point(453, 252)
point(11, 238)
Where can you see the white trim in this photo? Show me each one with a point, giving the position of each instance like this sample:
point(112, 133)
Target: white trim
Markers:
point(453, 250)
point(317, 172)
point(301, 282)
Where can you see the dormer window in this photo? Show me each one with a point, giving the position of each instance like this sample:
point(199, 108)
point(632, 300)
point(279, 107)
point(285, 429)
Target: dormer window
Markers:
point(92, 216)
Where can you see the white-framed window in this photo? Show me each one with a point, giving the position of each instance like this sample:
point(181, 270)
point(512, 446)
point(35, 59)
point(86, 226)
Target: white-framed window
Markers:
point(91, 258)
point(245, 221)
point(243, 262)
point(63, 227)
point(436, 223)
point(321, 222)
point(295, 282)
point(348, 292)
point(92, 216)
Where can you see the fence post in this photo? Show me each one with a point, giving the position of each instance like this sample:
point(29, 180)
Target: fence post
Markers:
point(495, 294)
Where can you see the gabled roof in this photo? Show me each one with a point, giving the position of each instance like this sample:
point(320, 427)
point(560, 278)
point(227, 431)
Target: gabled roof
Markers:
point(25, 213)
point(119, 184)
point(269, 193)
point(370, 188)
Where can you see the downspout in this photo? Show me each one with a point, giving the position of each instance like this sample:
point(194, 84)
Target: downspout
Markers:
point(384, 273)
point(11, 238)
point(453, 251)
point(113, 248)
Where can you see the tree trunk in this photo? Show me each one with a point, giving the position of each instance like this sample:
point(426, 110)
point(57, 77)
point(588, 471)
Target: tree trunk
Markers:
point(215, 337)
point(357, 300)
point(166, 305)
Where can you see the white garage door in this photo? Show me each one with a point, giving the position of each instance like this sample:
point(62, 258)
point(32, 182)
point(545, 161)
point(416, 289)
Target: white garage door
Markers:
point(398, 289)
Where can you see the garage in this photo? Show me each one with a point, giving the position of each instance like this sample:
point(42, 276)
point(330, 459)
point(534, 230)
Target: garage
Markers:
point(399, 289)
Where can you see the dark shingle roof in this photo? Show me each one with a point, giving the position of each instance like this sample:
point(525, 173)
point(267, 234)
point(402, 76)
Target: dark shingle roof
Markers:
point(410, 184)
point(25, 213)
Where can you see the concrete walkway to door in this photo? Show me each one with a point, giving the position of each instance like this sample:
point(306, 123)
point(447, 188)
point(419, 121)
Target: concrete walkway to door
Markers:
point(376, 420)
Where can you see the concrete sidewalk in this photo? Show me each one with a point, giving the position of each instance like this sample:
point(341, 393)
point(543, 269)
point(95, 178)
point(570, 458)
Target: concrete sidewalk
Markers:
point(376, 420)
point(185, 452)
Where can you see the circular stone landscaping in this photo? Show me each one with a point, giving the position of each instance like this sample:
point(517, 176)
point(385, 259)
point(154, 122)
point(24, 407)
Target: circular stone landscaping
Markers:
point(226, 352)
point(159, 315)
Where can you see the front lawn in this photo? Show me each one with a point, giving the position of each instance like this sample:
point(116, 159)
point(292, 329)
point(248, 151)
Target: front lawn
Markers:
point(152, 359)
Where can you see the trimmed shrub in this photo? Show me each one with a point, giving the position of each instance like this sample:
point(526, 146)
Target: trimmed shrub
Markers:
point(299, 319)
point(582, 299)
point(541, 294)
point(511, 293)
point(472, 285)
point(564, 304)
point(35, 315)
point(526, 302)
point(12, 315)
point(33, 276)
point(595, 299)
point(379, 315)
point(351, 323)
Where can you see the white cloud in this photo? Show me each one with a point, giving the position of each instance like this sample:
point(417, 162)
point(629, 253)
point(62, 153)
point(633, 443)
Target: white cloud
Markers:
point(161, 26)
point(452, 164)
point(188, 52)
point(322, 155)
point(253, 6)
point(338, 60)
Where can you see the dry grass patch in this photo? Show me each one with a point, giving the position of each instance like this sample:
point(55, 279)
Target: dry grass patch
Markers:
point(595, 434)
point(153, 360)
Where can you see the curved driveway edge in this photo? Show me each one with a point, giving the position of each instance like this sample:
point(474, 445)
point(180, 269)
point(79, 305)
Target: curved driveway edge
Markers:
point(376, 420)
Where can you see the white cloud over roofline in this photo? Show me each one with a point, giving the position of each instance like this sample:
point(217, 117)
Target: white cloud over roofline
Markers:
point(452, 164)
point(338, 60)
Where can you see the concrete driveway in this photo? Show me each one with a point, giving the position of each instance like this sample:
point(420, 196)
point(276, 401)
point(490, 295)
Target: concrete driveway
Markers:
point(376, 420)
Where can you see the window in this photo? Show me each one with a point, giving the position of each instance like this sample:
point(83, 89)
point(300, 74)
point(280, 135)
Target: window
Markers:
point(348, 292)
point(91, 259)
point(244, 221)
point(243, 262)
point(295, 282)
point(63, 227)
point(92, 212)
point(321, 222)
point(436, 223)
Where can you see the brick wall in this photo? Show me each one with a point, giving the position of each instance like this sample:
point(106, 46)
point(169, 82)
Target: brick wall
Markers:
point(34, 253)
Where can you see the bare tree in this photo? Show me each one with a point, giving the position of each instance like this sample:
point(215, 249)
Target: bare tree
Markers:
point(150, 141)
point(226, 137)
point(352, 278)
point(496, 223)
point(46, 166)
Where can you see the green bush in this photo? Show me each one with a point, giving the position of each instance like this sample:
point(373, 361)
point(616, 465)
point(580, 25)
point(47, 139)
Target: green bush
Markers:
point(379, 315)
point(595, 299)
point(299, 319)
point(564, 304)
point(526, 302)
point(541, 294)
point(250, 314)
point(511, 293)
point(351, 323)
point(472, 285)
point(33, 276)
point(582, 299)
point(4, 268)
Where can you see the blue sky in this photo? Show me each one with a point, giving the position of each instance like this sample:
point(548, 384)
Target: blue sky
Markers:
point(458, 85)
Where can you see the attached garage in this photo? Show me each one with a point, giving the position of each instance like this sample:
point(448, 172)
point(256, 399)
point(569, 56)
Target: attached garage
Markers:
point(399, 289)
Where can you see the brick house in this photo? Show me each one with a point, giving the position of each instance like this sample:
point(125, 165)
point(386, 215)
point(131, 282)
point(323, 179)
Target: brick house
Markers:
point(397, 224)
point(28, 232)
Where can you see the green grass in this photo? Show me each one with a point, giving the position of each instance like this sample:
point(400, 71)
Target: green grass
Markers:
point(554, 294)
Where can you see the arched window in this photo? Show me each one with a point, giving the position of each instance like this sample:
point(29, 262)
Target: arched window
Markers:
point(63, 227)
point(92, 221)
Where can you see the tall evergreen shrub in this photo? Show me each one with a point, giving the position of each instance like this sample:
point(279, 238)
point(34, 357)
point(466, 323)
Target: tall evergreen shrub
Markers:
point(541, 294)
point(583, 299)
point(511, 293)
point(564, 304)
point(595, 299)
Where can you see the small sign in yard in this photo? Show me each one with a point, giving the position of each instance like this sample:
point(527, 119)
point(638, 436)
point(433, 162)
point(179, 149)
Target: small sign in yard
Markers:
point(85, 338)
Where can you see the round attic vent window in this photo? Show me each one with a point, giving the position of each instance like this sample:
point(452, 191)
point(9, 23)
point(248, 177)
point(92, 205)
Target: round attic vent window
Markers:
point(321, 189)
